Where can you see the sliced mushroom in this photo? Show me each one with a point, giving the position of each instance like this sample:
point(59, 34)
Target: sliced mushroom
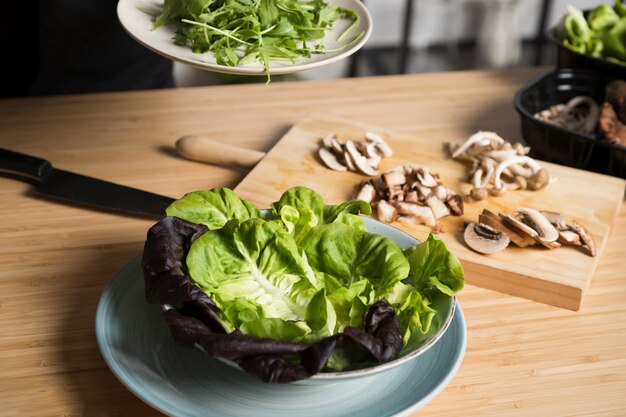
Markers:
point(557, 219)
point(568, 237)
point(586, 237)
point(347, 159)
point(381, 144)
point(337, 146)
point(485, 239)
point(491, 219)
point(330, 160)
point(328, 140)
point(539, 222)
point(529, 234)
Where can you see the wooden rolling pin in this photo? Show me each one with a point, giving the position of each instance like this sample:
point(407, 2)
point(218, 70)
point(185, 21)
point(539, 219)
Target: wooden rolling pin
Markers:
point(198, 148)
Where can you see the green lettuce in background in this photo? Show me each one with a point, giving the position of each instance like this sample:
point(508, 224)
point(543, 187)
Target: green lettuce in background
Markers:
point(304, 270)
point(601, 34)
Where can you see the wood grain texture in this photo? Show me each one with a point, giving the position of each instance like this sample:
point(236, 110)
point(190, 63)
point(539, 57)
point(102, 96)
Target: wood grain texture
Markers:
point(556, 277)
point(523, 359)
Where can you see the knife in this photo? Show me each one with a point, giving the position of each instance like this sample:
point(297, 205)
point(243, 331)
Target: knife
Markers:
point(80, 189)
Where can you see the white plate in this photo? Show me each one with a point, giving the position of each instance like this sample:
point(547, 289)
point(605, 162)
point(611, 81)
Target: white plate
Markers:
point(138, 24)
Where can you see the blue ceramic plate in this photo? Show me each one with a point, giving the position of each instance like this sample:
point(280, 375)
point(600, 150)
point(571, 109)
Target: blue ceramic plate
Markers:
point(137, 346)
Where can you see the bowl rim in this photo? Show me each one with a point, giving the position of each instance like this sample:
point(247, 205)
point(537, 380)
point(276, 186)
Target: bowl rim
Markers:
point(380, 367)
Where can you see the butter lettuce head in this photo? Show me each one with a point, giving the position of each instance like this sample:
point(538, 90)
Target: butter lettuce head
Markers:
point(304, 270)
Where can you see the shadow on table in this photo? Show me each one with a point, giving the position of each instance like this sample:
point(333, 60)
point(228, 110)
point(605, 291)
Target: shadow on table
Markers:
point(96, 389)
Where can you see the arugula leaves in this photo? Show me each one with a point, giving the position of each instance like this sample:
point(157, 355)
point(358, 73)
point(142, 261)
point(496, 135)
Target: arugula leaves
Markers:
point(239, 32)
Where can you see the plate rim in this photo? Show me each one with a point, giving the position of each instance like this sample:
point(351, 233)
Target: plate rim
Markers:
point(357, 5)
point(162, 406)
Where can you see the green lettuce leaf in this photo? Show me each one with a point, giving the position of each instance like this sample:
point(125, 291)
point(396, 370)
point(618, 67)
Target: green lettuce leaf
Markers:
point(257, 261)
point(433, 266)
point(413, 309)
point(341, 255)
point(213, 208)
point(302, 209)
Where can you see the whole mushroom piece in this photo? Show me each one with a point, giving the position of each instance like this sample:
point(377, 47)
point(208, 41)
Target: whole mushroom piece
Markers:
point(485, 239)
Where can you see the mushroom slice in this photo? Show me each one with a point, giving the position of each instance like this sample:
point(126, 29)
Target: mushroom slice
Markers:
point(359, 160)
point(539, 222)
point(349, 161)
point(491, 219)
point(569, 237)
point(455, 204)
point(367, 193)
point(327, 141)
point(557, 219)
point(386, 212)
point(330, 160)
point(370, 152)
point(423, 214)
point(337, 146)
point(438, 207)
point(586, 237)
point(529, 234)
point(485, 239)
point(381, 144)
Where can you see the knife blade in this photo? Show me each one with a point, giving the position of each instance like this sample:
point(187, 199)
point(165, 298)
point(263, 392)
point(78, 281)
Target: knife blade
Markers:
point(80, 189)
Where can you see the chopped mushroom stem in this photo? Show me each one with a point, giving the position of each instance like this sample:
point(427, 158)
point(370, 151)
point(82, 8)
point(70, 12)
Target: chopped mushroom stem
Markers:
point(482, 138)
point(411, 195)
point(492, 160)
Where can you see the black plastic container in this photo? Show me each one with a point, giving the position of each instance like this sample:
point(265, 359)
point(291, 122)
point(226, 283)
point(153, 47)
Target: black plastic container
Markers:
point(566, 58)
point(562, 146)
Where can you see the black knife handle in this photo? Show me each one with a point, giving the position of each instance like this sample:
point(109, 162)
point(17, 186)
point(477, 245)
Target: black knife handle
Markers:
point(21, 164)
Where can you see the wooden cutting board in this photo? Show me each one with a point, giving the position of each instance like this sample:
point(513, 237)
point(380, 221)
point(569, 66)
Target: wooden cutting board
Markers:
point(558, 277)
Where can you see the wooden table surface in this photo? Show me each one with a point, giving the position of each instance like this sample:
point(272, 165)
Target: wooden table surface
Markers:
point(523, 358)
